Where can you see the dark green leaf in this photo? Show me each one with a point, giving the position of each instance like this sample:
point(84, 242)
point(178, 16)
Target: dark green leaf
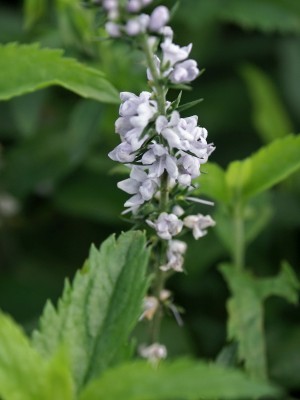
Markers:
point(265, 15)
point(26, 68)
point(55, 154)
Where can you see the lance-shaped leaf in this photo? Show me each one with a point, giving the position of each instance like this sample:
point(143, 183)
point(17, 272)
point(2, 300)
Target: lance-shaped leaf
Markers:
point(265, 168)
point(26, 68)
point(24, 374)
point(98, 311)
point(181, 379)
point(246, 311)
point(269, 115)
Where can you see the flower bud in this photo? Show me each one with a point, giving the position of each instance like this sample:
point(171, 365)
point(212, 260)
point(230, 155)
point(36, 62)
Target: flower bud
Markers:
point(159, 18)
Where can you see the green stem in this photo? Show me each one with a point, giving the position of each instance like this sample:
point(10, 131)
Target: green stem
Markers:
point(239, 238)
point(160, 277)
point(159, 88)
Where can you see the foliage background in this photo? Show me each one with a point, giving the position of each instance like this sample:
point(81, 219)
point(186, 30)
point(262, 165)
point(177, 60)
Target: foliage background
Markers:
point(54, 161)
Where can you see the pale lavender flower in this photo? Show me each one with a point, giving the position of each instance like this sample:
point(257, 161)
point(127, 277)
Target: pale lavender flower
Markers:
point(184, 72)
point(153, 353)
point(175, 252)
point(112, 8)
point(172, 53)
point(158, 160)
point(167, 32)
point(113, 29)
point(199, 223)
point(140, 186)
point(136, 112)
point(138, 25)
point(166, 226)
point(123, 153)
point(177, 210)
point(168, 129)
point(159, 18)
point(150, 306)
point(134, 6)
point(189, 168)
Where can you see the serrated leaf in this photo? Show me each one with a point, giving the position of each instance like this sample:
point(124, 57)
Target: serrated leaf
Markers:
point(98, 311)
point(245, 309)
point(24, 375)
point(212, 183)
point(181, 379)
point(26, 68)
point(269, 114)
point(265, 168)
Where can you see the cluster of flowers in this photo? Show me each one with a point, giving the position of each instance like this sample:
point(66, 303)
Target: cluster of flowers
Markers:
point(163, 150)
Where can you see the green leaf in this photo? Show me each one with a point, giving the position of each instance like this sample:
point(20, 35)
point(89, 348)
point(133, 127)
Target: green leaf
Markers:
point(27, 112)
point(257, 214)
point(189, 105)
point(56, 154)
point(82, 195)
point(33, 11)
point(245, 310)
point(24, 375)
point(98, 311)
point(26, 68)
point(212, 183)
point(269, 115)
point(266, 15)
point(265, 168)
point(181, 379)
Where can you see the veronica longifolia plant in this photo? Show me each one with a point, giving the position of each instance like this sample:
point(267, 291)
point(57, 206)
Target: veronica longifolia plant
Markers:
point(163, 151)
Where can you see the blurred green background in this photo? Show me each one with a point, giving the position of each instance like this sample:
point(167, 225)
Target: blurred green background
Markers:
point(58, 188)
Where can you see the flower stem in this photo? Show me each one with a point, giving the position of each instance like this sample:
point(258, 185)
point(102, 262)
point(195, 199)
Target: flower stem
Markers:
point(159, 88)
point(160, 276)
point(239, 238)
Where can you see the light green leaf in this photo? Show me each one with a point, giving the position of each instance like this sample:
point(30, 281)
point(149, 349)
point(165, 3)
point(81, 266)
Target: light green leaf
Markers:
point(212, 183)
point(284, 285)
point(181, 379)
point(24, 375)
point(98, 311)
point(245, 309)
point(269, 115)
point(26, 68)
point(264, 169)
point(257, 214)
